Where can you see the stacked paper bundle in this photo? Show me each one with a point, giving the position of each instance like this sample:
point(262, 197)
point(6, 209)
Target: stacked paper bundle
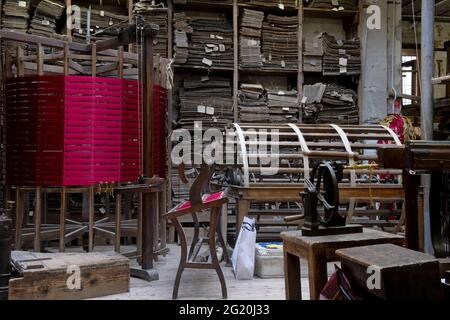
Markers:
point(312, 54)
point(312, 101)
point(250, 40)
point(105, 22)
point(156, 14)
point(283, 106)
point(207, 100)
point(330, 103)
point(181, 42)
point(280, 42)
point(280, 4)
point(341, 57)
point(211, 41)
point(46, 15)
point(16, 15)
point(252, 104)
point(334, 4)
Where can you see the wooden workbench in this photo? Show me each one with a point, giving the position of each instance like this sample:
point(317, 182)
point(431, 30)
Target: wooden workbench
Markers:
point(318, 251)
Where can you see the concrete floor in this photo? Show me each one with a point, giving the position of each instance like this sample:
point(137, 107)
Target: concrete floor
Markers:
point(204, 284)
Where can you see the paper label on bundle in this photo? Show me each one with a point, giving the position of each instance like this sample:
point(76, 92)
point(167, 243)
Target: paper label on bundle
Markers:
point(216, 48)
point(219, 37)
point(208, 50)
point(221, 47)
point(45, 22)
point(204, 79)
point(304, 99)
point(342, 51)
point(210, 110)
point(252, 42)
point(343, 62)
point(281, 93)
point(335, 2)
point(80, 31)
point(212, 36)
point(281, 6)
point(201, 109)
point(286, 109)
point(340, 42)
point(23, 4)
point(343, 69)
point(102, 13)
point(283, 64)
point(207, 62)
point(341, 8)
point(313, 63)
point(111, 22)
point(214, 119)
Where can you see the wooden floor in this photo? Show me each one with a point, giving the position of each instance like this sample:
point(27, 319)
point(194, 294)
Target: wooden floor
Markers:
point(204, 284)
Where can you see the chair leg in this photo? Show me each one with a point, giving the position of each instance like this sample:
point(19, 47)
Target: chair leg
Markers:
point(196, 235)
point(212, 249)
point(183, 257)
point(222, 241)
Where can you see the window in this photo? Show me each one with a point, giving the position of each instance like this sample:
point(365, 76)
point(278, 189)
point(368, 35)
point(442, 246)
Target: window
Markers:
point(409, 71)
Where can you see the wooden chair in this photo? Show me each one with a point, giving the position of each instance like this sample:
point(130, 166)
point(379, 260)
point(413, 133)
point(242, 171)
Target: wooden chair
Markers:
point(201, 198)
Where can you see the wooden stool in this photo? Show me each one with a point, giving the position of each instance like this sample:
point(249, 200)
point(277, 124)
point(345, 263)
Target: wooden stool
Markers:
point(318, 251)
point(201, 198)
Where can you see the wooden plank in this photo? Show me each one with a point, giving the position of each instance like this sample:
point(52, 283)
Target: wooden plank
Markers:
point(94, 60)
point(118, 217)
point(62, 221)
point(40, 59)
point(53, 275)
point(37, 220)
point(19, 62)
point(91, 218)
point(300, 75)
point(403, 274)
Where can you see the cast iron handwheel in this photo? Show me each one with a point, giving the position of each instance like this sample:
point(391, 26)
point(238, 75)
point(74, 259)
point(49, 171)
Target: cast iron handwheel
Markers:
point(326, 179)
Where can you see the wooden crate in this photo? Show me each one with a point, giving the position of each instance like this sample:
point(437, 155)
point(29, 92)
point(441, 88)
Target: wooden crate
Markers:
point(45, 276)
point(404, 274)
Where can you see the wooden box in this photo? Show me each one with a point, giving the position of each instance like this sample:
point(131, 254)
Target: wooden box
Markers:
point(403, 274)
point(53, 276)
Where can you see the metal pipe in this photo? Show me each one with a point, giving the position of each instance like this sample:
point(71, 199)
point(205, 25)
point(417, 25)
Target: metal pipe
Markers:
point(427, 98)
point(427, 62)
point(5, 255)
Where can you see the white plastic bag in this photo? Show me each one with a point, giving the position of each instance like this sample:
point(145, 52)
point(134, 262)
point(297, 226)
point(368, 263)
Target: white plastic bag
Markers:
point(243, 257)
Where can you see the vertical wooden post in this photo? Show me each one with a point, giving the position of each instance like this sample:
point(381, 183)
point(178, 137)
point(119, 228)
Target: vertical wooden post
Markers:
point(162, 210)
point(62, 221)
point(37, 220)
point(300, 75)
point(148, 217)
point(68, 14)
point(120, 64)
point(118, 213)
point(20, 67)
point(19, 220)
point(91, 218)
point(94, 59)
point(130, 20)
point(235, 60)
point(8, 64)
point(40, 59)
point(170, 28)
point(66, 58)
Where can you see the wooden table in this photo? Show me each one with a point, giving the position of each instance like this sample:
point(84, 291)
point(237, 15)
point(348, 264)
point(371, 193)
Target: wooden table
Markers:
point(318, 251)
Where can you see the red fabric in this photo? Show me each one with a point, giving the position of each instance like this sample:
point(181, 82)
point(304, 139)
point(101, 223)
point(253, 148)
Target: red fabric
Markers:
point(72, 130)
point(207, 198)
